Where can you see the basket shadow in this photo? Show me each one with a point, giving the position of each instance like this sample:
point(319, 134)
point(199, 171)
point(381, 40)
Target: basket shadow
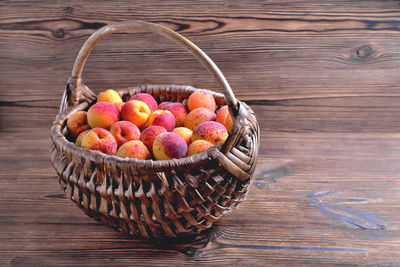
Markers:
point(189, 245)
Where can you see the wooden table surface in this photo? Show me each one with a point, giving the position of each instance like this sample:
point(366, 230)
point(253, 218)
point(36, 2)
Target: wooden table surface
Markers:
point(322, 76)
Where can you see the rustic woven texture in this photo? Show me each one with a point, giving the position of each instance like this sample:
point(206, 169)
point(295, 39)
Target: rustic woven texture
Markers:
point(130, 195)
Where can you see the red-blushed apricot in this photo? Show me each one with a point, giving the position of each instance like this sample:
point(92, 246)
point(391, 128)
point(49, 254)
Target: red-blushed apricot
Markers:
point(119, 105)
point(179, 112)
point(149, 135)
point(225, 118)
point(197, 116)
point(185, 133)
point(78, 140)
point(102, 115)
point(146, 98)
point(201, 99)
point(124, 131)
point(100, 139)
point(163, 105)
point(136, 112)
point(77, 123)
point(211, 131)
point(169, 146)
point(198, 146)
point(162, 118)
point(134, 149)
point(109, 96)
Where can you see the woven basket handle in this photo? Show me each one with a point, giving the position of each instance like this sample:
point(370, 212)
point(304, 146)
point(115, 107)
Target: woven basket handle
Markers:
point(76, 86)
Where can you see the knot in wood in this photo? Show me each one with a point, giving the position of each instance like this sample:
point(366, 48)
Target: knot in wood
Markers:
point(59, 33)
point(69, 10)
point(364, 51)
point(190, 251)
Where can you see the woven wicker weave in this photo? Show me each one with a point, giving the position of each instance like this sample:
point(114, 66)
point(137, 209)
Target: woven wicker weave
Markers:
point(155, 199)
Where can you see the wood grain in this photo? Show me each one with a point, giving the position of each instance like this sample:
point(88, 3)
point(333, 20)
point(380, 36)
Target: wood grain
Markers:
point(322, 77)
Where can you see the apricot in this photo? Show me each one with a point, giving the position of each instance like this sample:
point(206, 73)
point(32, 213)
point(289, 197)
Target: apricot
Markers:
point(109, 96)
point(119, 105)
point(169, 146)
point(225, 118)
point(197, 116)
point(100, 139)
point(136, 112)
point(77, 123)
point(146, 98)
point(78, 140)
point(149, 135)
point(198, 146)
point(179, 112)
point(134, 149)
point(163, 105)
point(124, 131)
point(102, 115)
point(211, 131)
point(185, 133)
point(162, 118)
point(201, 99)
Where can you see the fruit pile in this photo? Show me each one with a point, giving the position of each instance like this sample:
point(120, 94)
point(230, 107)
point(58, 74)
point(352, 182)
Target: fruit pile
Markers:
point(143, 129)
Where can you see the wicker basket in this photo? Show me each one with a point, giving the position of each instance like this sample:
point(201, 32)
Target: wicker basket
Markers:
point(132, 195)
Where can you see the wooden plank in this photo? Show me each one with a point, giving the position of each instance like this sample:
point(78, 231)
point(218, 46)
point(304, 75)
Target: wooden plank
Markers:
point(260, 75)
point(344, 114)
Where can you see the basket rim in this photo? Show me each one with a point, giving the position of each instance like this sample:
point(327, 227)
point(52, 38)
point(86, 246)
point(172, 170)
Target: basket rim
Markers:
point(156, 165)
